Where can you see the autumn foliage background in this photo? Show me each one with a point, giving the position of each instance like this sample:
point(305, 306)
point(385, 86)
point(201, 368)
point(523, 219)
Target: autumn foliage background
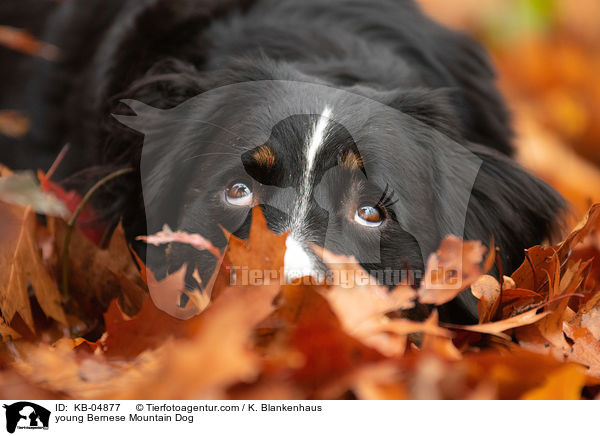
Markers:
point(101, 325)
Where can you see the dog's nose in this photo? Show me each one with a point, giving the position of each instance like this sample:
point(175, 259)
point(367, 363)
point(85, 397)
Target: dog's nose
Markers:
point(301, 261)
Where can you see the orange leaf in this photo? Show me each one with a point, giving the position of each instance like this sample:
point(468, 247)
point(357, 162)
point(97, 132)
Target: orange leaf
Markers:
point(563, 384)
point(20, 264)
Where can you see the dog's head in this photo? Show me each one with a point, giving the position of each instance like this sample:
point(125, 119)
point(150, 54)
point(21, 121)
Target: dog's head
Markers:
point(382, 178)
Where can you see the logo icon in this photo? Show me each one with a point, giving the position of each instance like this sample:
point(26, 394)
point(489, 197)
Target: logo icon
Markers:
point(26, 415)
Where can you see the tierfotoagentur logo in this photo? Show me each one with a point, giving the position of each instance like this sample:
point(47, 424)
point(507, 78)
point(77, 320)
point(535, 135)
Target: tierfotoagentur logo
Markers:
point(25, 415)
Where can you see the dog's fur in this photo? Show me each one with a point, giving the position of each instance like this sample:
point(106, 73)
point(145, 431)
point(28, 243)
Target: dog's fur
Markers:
point(164, 52)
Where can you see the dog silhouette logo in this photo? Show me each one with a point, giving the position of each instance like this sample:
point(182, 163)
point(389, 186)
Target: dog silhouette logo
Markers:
point(26, 415)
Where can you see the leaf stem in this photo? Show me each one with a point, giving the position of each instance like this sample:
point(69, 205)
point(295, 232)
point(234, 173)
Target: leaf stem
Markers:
point(71, 224)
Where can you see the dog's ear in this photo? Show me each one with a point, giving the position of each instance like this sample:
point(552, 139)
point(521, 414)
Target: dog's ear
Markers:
point(516, 207)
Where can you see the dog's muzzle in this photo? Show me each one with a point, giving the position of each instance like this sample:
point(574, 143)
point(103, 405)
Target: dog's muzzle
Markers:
point(301, 261)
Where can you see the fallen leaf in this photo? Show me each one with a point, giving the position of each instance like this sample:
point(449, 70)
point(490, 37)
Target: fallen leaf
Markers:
point(565, 383)
point(97, 276)
point(452, 269)
point(88, 221)
point(21, 189)
point(487, 290)
point(496, 328)
point(166, 295)
point(585, 349)
point(20, 265)
point(127, 337)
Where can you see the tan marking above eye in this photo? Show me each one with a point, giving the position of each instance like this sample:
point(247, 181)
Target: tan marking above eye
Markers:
point(352, 161)
point(264, 156)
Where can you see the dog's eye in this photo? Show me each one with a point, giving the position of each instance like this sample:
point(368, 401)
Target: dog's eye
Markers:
point(238, 194)
point(370, 216)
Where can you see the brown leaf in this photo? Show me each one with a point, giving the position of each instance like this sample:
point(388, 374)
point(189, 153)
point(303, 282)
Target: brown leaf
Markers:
point(97, 276)
point(452, 269)
point(312, 330)
point(585, 349)
point(213, 353)
point(361, 304)
point(438, 341)
point(166, 295)
point(496, 328)
point(551, 327)
point(20, 264)
point(487, 290)
point(263, 251)
point(6, 333)
point(22, 188)
point(565, 383)
point(127, 337)
point(542, 257)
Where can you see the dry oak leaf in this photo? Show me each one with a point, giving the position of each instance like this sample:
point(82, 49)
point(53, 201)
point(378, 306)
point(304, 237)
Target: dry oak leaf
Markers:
point(482, 375)
point(21, 264)
point(452, 269)
point(585, 349)
point(21, 188)
point(262, 251)
point(14, 385)
point(376, 381)
point(127, 337)
point(311, 330)
point(161, 316)
point(487, 290)
point(589, 224)
point(515, 373)
point(89, 221)
point(551, 327)
point(214, 353)
point(497, 328)
point(6, 333)
point(582, 329)
point(357, 296)
point(166, 294)
point(438, 341)
point(564, 383)
point(534, 271)
point(154, 355)
point(97, 276)
point(57, 368)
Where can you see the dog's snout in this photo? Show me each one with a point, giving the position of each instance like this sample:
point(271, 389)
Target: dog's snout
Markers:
point(301, 261)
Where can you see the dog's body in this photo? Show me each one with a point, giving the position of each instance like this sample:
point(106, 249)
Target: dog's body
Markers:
point(387, 184)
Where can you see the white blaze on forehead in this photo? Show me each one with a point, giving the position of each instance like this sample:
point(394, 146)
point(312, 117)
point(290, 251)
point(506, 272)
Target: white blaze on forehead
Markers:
point(296, 261)
point(313, 144)
point(317, 138)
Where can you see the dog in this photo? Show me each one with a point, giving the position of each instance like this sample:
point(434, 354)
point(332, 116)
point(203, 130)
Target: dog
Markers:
point(360, 126)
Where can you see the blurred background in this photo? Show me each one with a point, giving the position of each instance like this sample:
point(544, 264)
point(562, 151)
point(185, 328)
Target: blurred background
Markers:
point(547, 53)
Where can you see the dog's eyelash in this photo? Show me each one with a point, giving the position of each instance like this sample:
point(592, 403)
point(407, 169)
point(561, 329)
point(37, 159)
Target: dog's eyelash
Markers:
point(387, 199)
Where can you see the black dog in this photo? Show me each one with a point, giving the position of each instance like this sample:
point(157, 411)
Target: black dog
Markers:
point(361, 126)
